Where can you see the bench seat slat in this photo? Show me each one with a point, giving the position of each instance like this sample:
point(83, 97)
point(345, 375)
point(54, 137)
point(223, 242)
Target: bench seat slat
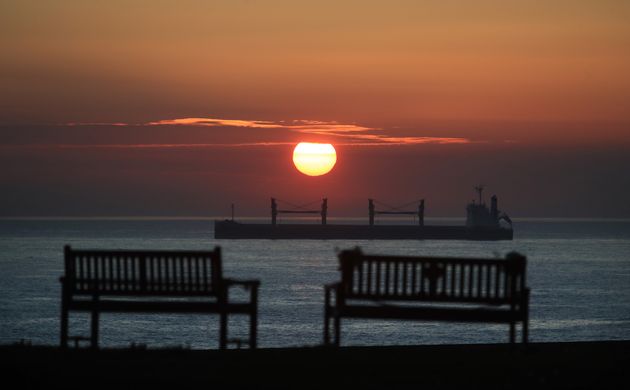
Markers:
point(471, 280)
point(110, 274)
point(488, 274)
point(436, 314)
point(404, 287)
point(158, 307)
point(182, 273)
point(413, 278)
point(387, 277)
point(445, 280)
point(462, 280)
point(422, 291)
point(156, 292)
point(88, 271)
point(359, 285)
point(480, 269)
point(427, 298)
point(167, 272)
point(205, 274)
point(396, 283)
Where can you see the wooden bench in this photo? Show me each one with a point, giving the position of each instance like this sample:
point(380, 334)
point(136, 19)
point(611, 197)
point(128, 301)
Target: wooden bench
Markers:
point(428, 288)
point(97, 281)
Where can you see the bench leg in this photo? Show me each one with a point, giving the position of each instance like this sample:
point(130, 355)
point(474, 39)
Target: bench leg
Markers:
point(223, 329)
point(94, 333)
point(253, 318)
point(253, 323)
point(64, 325)
point(337, 326)
point(326, 317)
point(512, 332)
point(525, 331)
point(326, 327)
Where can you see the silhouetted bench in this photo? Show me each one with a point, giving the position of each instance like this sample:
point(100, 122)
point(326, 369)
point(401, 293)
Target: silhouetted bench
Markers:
point(428, 288)
point(98, 281)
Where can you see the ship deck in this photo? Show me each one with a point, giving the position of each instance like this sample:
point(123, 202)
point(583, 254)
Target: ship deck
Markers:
point(234, 230)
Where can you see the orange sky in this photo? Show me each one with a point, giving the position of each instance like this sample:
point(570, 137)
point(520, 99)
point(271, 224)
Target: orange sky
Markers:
point(446, 78)
point(394, 63)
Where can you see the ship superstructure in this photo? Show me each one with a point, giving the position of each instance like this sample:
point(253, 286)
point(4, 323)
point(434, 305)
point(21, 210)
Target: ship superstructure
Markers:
point(478, 215)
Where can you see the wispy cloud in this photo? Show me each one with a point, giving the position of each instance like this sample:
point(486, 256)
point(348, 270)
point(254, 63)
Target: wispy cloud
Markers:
point(74, 124)
point(214, 122)
point(349, 134)
point(371, 139)
point(353, 134)
point(304, 126)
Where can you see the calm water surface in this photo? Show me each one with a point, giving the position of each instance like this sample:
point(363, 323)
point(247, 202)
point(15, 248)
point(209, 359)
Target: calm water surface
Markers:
point(579, 272)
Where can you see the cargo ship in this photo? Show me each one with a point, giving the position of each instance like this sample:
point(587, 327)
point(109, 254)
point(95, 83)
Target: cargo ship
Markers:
point(482, 223)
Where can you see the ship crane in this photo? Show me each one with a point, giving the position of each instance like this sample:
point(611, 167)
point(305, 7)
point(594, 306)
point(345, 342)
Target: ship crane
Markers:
point(396, 211)
point(297, 209)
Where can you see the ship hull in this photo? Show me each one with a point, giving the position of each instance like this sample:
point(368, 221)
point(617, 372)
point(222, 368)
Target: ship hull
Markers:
point(234, 230)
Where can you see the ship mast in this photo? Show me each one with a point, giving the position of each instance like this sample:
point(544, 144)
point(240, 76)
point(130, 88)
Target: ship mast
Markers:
point(479, 190)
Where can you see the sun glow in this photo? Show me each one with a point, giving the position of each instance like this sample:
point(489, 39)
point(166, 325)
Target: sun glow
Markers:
point(314, 159)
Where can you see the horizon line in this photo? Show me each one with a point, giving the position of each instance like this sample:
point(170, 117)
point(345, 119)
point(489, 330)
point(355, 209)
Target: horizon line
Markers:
point(305, 218)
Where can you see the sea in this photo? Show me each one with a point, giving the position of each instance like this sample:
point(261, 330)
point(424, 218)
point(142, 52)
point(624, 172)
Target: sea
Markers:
point(578, 272)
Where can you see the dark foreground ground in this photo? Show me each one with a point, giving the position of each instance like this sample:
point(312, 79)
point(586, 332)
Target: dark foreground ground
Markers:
point(550, 365)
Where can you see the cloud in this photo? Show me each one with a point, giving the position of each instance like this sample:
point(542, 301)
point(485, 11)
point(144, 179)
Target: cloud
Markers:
point(304, 126)
point(353, 134)
point(213, 122)
point(74, 124)
point(347, 134)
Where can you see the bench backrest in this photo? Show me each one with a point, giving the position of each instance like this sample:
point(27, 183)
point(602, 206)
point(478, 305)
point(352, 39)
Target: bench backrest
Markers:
point(462, 280)
point(165, 273)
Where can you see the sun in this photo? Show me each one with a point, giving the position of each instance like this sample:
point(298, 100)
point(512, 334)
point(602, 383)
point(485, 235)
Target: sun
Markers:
point(314, 159)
